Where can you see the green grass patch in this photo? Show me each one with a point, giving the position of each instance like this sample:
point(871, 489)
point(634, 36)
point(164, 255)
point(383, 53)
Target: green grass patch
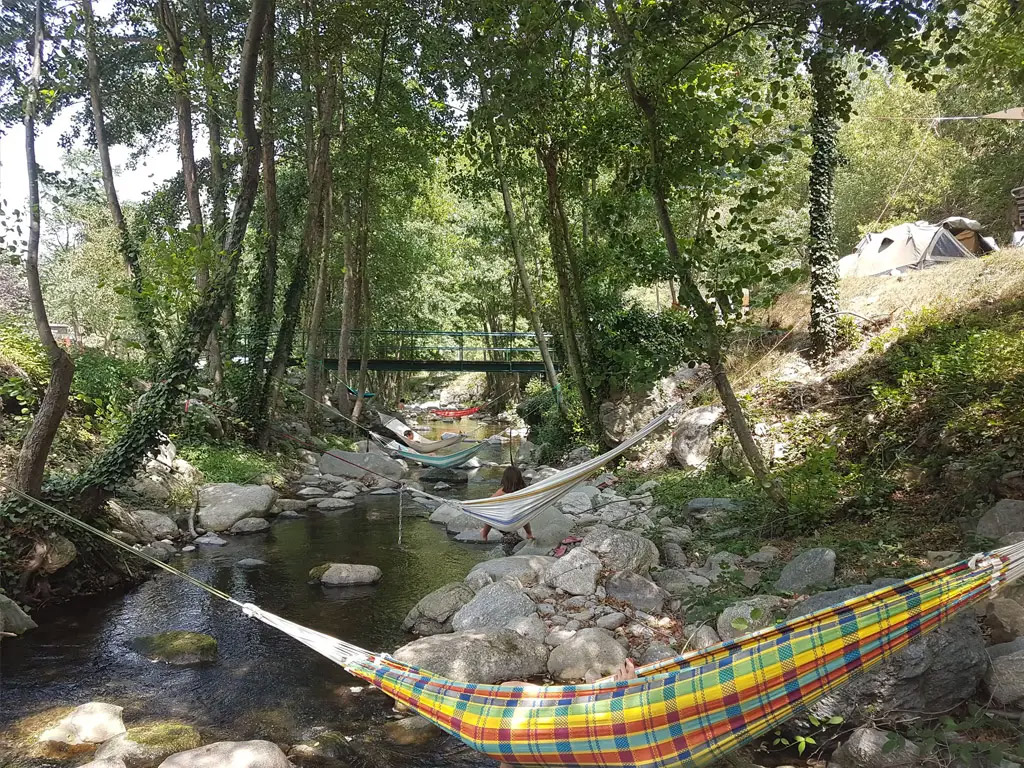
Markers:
point(233, 462)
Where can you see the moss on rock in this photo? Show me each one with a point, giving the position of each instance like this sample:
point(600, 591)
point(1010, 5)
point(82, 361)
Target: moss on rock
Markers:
point(178, 647)
point(318, 571)
point(170, 736)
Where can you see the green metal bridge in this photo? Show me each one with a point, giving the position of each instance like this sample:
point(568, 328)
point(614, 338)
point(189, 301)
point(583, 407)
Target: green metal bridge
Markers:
point(409, 350)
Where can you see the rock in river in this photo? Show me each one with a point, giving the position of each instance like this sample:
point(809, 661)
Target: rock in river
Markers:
point(12, 618)
point(230, 754)
point(432, 615)
point(488, 655)
point(90, 723)
point(250, 525)
point(350, 574)
point(494, 606)
point(224, 504)
point(177, 647)
point(147, 745)
point(360, 465)
point(526, 568)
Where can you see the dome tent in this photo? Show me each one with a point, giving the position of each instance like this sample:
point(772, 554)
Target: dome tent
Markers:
point(914, 245)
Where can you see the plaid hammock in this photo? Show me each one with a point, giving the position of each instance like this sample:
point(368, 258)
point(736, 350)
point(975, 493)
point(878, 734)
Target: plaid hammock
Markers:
point(689, 710)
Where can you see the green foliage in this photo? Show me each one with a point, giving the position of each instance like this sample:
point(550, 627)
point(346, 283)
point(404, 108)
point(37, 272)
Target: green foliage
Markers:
point(848, 333)
point(636, 347)
point(812, 487)
point(103, 385)
point(232, 462)
point(22, 350)
point(553, 432)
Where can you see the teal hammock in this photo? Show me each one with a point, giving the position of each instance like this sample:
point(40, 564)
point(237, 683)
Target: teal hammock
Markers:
point(446, 461)
point(366, 395)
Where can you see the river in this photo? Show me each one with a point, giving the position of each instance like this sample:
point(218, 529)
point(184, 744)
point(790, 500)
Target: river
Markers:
point(263, 684)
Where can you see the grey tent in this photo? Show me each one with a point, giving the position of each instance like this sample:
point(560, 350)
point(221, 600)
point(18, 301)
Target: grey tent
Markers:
point(914, 245)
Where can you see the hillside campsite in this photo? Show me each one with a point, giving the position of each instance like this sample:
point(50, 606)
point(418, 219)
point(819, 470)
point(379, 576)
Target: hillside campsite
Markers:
point(422, 385)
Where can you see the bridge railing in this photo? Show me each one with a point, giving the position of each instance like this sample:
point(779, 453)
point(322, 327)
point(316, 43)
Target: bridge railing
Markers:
point(460, 346)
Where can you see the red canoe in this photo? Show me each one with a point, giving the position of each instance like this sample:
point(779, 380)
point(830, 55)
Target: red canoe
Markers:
point(454, 413)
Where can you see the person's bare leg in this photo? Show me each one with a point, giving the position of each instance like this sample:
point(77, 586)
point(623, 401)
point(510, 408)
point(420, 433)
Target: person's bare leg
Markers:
point(528, 532)
point(485, 532)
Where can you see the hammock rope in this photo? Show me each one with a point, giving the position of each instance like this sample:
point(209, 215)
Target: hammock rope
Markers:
point(688, 710)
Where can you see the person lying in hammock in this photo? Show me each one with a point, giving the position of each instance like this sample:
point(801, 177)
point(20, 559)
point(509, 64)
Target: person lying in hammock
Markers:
point(511, 481)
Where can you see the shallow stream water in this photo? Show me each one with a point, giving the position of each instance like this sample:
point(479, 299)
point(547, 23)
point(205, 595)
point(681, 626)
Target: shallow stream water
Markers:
point(264, 684)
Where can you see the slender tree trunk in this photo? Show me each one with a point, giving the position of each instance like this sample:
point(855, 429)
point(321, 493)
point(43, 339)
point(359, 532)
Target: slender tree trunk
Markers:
point(144, 314)
point(35, 448)
point(349, 302)
point(314, 345)
point(827, 87)
point(311, 242)
point(565, 306)
point(688, 288)
point(524, 277)
point(364, 354)
point(168, 21)
point(158, 406)
point(265, 282)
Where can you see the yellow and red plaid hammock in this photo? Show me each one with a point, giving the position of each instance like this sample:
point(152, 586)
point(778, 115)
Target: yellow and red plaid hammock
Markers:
point(689, 710)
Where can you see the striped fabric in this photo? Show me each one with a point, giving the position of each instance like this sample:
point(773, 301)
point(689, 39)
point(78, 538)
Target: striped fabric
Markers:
point(446, 461)
point(398, 428)
point(692, 709)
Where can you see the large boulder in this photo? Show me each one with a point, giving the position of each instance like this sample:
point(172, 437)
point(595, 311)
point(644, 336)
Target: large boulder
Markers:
point(488, 655)
point(158, 526)
point(594, 651)
point(836, 596)
point(813, 568)
point(178, 647)
point(576, 503)
point(221, 505)
point(445, 475)
point(146, 746)
point(446, 513)
point(13, 619)
point(350, 574)
point(527, 569)
point(636, 591)
point(231, 754)
point(494, 606)
point(528, 453)
point(432, 615)
point(692, 439)
point(866, 748)
point(91, 723)
point(935, 673)
point(361, 465)
point(1005, 620)
point(575, 572)
point(1005, 677)
point(549, 528)
point(621, 550)
point(1005, 516)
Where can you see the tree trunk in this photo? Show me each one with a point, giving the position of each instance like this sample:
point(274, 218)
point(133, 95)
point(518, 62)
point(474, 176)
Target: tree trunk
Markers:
point(309, 250)
point(349, 302)
point(35, 448)
point(687, 285)
point(364, 354)
point(565, 303)
point(524, 277)
point(159, 405)
point(168, 21)
point(827, 85)
point(143, 309)
point(314, 346)
point(265, 282)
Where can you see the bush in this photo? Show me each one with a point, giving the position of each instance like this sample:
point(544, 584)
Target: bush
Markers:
point(103, 384)
point(232, 462)
point(553, 432)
